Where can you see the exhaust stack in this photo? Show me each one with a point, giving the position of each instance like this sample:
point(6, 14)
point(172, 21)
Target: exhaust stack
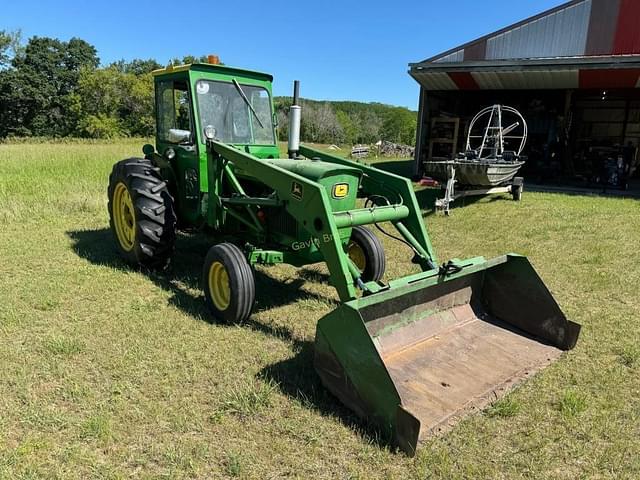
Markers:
point(295, 114)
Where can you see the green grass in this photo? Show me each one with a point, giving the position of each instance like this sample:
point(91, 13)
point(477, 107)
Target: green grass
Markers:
point(572, 403)
point(108, 372)
point(505, 407)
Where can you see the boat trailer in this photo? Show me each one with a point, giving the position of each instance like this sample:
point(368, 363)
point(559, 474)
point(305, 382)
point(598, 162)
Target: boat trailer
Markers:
point(451, 194)
point(492, 157)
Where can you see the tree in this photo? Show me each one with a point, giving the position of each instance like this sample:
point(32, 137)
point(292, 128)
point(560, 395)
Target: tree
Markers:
point(35, 92)
point(350, 122)
point(110, 103)
point(350, 126)
point(136, 66)
point(399, 126)
point(10, 46)
point(189, 59)
point(320, 124)
point(370, 127)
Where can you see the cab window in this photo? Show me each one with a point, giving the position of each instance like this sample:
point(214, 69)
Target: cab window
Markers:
point(174, 113)
point(235, 113)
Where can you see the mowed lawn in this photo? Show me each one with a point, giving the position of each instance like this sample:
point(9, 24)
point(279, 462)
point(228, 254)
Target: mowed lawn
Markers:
point(109, 372)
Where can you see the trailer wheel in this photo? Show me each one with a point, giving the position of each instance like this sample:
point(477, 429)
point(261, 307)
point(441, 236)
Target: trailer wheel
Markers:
point(516, 192)
point(228, 283)
point(366, 252)
point(141, 212)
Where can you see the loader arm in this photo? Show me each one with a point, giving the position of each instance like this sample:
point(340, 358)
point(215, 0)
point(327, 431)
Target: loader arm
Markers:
point(313, 211)
point(376, 182)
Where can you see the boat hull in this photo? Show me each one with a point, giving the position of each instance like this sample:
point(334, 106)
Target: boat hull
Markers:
point(474, 173)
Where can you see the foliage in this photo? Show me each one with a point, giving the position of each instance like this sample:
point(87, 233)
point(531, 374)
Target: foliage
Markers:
point(113, 103)
point(136, 66)
point(10, 46)
point(50, 88)
point(35, 92)
point(349, 122)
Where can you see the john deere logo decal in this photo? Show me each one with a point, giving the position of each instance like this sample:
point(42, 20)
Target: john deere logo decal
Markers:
point(296, 190)
point(340, 190)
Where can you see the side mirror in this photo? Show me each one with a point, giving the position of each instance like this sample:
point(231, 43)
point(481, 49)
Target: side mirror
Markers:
point(179, 136)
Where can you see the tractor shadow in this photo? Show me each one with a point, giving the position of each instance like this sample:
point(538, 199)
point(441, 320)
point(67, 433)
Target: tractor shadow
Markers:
point(295, 377)
point(183, 278)
point(312, 275)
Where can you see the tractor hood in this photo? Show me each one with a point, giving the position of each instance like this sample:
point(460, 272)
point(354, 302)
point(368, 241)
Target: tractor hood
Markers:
point(315, 169)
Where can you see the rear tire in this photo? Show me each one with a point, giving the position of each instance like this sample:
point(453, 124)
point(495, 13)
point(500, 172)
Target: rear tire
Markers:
point(141, 213)
point(228, 284)
point(366, 252)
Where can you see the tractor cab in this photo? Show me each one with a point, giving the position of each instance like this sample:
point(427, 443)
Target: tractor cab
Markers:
point(227, 104)
point(204, 101)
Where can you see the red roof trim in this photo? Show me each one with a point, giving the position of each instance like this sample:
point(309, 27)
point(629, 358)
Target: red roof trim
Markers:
point(627, 38)
point(614, 78)
point(464, 80)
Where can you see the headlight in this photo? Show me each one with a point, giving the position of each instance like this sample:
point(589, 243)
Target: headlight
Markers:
point(210, 132)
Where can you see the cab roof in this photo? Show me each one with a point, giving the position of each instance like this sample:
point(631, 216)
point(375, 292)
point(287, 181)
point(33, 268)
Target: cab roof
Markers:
point(213, 68)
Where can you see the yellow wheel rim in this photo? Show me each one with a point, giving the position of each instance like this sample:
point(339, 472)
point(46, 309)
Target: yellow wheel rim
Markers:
point(356, 254)
point(219, 286)
point(124, 217)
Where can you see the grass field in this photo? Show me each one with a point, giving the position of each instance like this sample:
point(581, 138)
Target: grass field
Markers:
point(107, 372)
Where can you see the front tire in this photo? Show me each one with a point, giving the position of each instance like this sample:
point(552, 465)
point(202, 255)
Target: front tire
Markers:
point(228, 283)
point(366, 252)
point(141, 212)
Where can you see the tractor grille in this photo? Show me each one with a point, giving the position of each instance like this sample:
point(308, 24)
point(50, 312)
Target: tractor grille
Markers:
point(281, 221)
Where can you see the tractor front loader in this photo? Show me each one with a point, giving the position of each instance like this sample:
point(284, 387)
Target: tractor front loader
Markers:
point(411, 355)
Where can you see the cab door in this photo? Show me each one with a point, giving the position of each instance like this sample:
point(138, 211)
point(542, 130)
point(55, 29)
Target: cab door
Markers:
point(176, 142)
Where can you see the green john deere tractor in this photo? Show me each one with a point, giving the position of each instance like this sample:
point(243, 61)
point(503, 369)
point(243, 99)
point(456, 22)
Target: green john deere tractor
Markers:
point(411, 354)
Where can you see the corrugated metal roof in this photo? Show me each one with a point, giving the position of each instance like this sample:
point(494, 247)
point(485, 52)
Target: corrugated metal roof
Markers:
point(527, 80)
point(436, 81)
point(602, 26)
point(530, 74)
point(560, 34)
point(452, 57)
point(488, 80)
point(627, 38)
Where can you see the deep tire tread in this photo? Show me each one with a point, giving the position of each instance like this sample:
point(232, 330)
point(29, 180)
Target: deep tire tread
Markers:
point(154, 212)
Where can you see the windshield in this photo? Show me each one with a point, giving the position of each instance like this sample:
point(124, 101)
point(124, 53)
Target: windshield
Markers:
point(222, 107)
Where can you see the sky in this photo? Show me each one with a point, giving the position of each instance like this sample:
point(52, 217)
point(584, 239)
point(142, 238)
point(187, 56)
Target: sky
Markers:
point(339, 50)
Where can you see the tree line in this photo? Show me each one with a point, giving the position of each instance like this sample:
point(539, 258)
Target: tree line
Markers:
point(343, 122)
point(55, 88)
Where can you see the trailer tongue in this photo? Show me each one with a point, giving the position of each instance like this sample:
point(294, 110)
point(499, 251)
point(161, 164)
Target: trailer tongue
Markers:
point(433, 347)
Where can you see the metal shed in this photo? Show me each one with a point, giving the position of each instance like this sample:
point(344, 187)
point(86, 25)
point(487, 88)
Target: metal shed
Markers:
point(573, 71)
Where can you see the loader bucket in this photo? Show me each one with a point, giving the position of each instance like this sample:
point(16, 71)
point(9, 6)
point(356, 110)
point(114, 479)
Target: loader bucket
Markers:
point(417, 357)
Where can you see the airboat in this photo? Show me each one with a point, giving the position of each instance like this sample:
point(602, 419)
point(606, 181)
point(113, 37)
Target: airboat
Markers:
point(491, 160)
